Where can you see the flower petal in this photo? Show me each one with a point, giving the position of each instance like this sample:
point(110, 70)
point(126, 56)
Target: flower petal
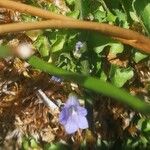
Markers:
point(72, 101)
point(71, 125)
point(81, 111)
point(63, 116)
point(82, 122)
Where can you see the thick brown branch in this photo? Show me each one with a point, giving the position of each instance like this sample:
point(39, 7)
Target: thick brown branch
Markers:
point(127, 37)
point(124, 35)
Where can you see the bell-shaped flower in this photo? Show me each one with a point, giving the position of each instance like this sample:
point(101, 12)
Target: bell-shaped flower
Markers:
point(73, 116)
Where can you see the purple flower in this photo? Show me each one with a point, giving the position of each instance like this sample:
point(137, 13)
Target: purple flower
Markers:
point(78, 49)
point(73, 115)
point(56, 79)
point(78, 46)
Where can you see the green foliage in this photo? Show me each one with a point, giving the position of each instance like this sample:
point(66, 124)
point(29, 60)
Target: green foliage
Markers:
point(42, 45)
point(74, 14)
point(119, 76)
point(79, 66)
point(31, 2)
point(139, 56)
point(29, 143)
point(4, 51)
point(140, 141)
point(66, 62)
point(28, 18)
point(99, 14)
point(51, 7)
point(116, 48)
point(142, 9)
point(92, 83)
point(70, 2)
point(58, 42)
point(57, 146)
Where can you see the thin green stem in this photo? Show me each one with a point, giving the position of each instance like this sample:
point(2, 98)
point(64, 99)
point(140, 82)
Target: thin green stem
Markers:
point(93, 84)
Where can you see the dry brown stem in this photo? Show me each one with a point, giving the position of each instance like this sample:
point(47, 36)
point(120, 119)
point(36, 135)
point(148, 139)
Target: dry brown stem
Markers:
point(32, 10)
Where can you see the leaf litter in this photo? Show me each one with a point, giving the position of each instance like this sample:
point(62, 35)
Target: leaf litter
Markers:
point(24, 114)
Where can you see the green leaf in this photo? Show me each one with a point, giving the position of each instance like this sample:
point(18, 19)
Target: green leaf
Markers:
point(70, 2)
point(59, 43)
point(122, 18)
point(92, 83)
point(32, 2)
point(103, 76)
point(99, 49)
point(99, 15)
point(57, 39)
point(139, 56)
point(57, 146)
point(28, 18)
point(65, 61)
point(85, 67)
point(134, 16)
point(33, 143)
point(144, 141)
point(98, 42)
point(25, 144)
point(147, 126)
point(4, 51)
point(116, 48)
point(84, 7)
point(72, 38)
point(34, 34)
point(74, 14)
point(119, 76)
point(142, 9)
point(51, 7)
point(111, 17)
point(140, 123)
point(42, 45)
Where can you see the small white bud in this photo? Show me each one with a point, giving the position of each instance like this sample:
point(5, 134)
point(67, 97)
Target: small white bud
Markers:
point(24, 50)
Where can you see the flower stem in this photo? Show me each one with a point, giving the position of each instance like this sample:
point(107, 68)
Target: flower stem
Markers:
point(93, 84)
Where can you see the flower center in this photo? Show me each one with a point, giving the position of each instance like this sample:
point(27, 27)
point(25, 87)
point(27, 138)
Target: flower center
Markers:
point(72, 110)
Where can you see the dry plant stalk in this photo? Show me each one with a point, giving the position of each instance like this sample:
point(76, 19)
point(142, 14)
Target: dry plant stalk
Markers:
point(32, 10)
point(125, 36)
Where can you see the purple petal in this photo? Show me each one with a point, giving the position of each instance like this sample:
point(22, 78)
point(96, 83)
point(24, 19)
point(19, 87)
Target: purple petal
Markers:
point(73, 115)
point(82, 122)
point(81, 111)
point(72, 101)
point(71, 125)
point(75, 122)
point(78, 46)
point(63, 116)
point(56, 79)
